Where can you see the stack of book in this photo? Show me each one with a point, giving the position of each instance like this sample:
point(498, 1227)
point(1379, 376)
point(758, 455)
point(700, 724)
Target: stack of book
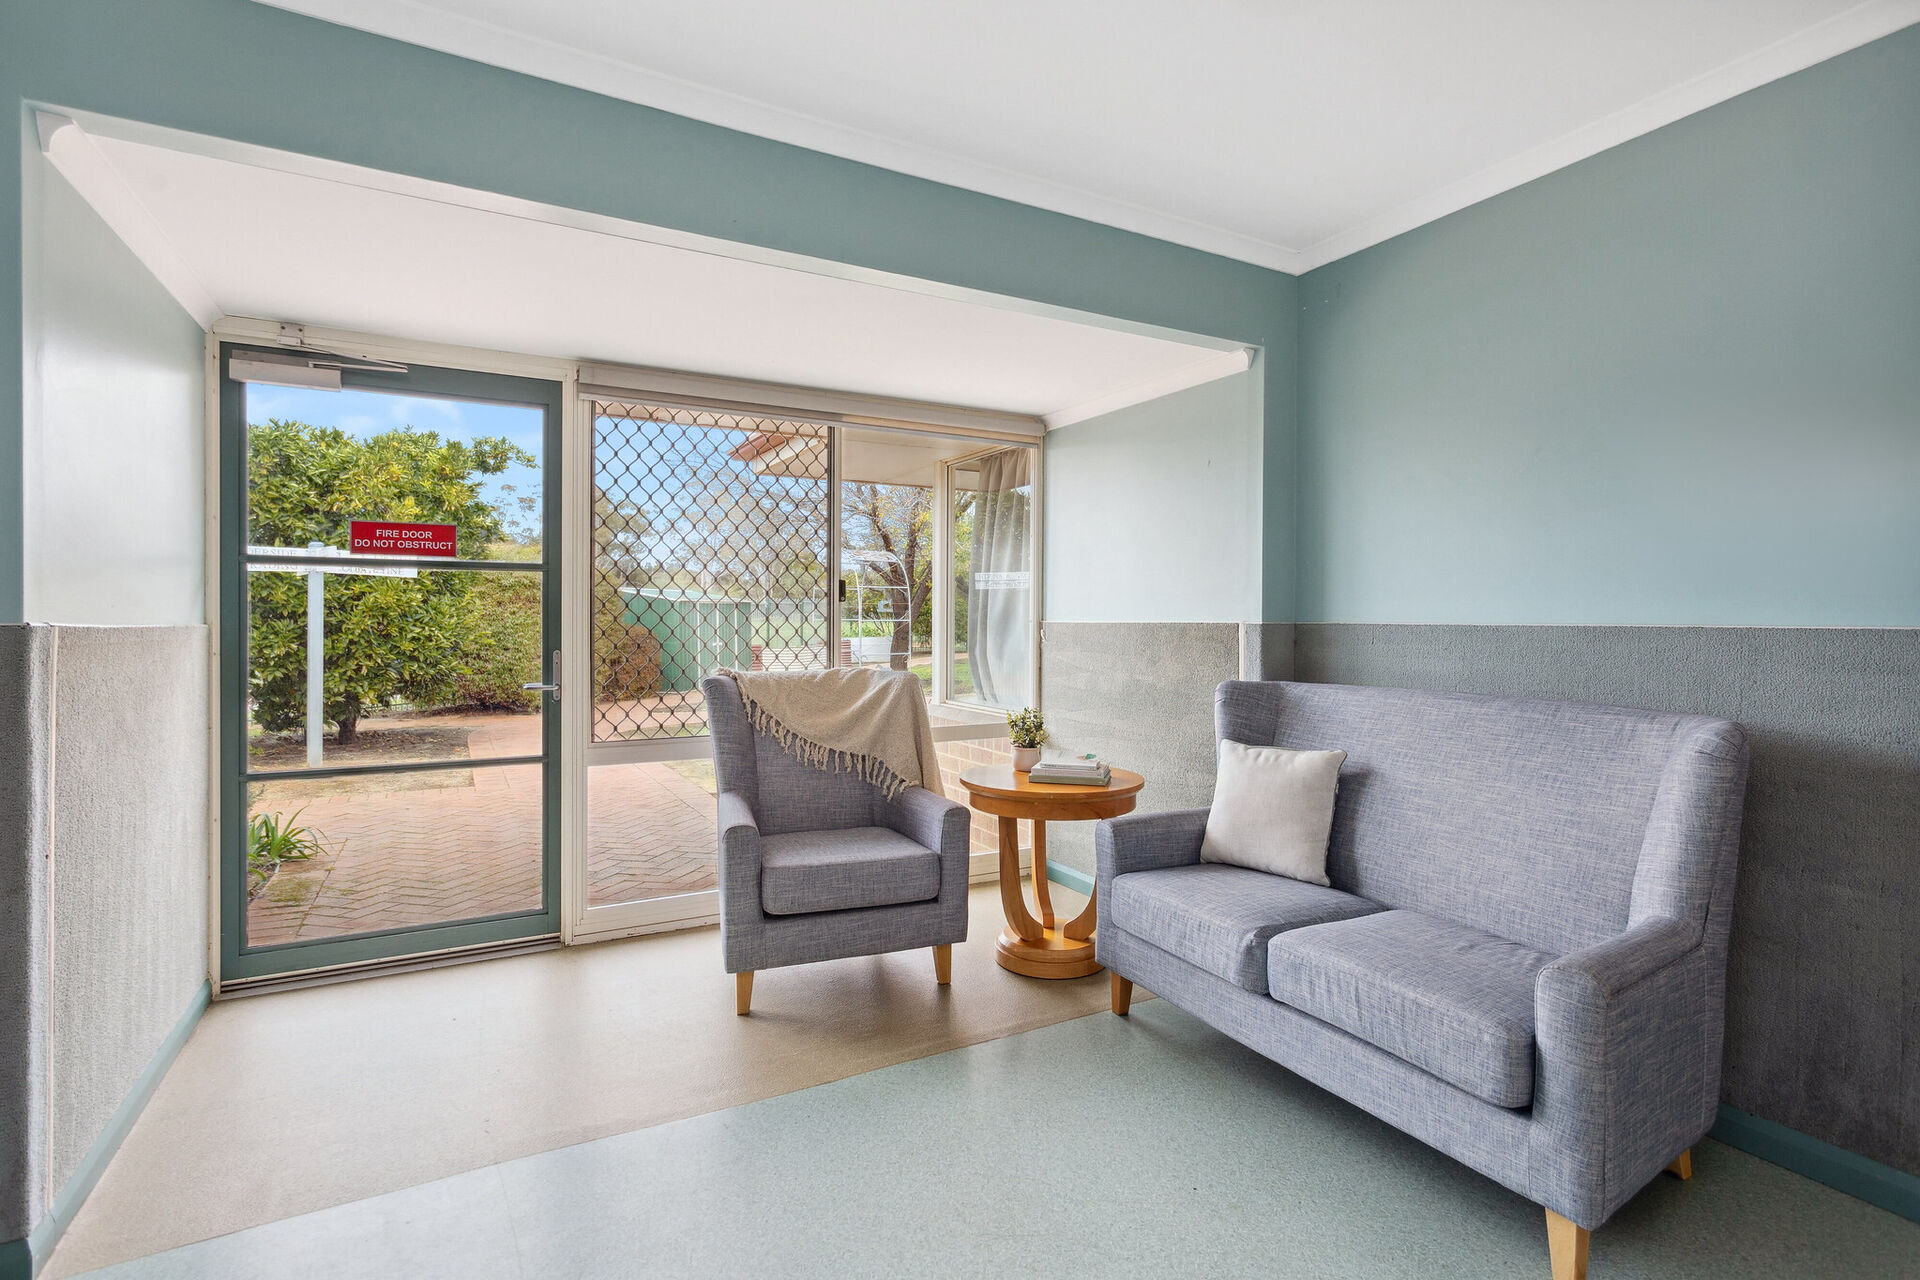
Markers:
point(1077, 773)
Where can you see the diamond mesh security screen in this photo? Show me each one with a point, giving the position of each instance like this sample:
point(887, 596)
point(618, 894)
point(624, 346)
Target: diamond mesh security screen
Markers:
point(709, 552)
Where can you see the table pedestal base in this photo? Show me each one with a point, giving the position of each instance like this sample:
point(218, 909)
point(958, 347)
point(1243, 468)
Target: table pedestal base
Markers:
point(1053, 955)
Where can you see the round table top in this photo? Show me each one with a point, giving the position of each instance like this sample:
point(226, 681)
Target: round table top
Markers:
point(1005, 782)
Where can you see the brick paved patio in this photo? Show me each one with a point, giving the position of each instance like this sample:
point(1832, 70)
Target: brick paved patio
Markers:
point(422, 848)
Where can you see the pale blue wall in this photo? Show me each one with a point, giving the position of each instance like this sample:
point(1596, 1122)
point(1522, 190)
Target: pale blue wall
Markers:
point(1678, 382)
point(113, 507)
point(1153, 513)
point(262, 75)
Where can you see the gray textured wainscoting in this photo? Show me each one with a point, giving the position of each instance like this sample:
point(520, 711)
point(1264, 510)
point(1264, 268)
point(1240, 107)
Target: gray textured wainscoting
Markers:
point(25, 903)
point(129, 863)
point(1823, 1023)
point(1266, 651)
point(1140, 694)
point(103, 882)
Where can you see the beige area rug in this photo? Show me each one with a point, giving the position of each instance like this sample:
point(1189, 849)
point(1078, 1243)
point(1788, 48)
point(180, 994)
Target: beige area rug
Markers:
point(286, 1103)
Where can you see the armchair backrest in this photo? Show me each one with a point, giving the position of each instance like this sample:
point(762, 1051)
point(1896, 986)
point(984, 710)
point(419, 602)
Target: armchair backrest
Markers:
point(784, 793)
point(1552, 824)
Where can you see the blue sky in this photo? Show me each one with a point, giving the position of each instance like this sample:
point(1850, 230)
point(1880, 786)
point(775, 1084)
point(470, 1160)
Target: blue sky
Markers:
point(363, 413)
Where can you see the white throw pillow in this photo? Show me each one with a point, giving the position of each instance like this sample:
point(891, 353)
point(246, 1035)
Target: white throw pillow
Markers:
point(1272, 810)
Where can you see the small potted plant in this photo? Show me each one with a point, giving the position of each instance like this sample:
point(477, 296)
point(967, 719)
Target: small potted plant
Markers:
point(1028, 729)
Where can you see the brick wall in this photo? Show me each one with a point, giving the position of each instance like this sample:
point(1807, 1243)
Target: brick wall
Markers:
point(955, 758)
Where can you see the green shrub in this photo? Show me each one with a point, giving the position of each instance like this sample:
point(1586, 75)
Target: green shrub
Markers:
point(628, 664)
point(500, 647)
point(387, 639)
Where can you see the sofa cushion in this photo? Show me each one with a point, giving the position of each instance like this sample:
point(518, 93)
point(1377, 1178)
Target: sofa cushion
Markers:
point(1449, 999)
point(1272, 809)
point(807, 871)
point(1221, 918)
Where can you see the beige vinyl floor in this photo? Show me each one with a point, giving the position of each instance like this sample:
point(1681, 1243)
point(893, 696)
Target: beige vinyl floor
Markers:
point(287, 1103)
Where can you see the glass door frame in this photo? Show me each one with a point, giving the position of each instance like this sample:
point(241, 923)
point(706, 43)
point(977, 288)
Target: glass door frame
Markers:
point(238, 962)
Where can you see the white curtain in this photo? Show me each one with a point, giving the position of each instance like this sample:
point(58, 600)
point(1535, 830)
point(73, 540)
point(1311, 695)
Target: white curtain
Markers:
point(1000, 587)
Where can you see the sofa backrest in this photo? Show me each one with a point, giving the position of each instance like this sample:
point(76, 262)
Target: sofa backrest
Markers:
point(1522, 818)
point(784, 793)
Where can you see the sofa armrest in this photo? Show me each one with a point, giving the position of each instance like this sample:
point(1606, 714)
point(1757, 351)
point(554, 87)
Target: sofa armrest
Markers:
point(1623, 1030)
point(1147, 842)
point(932, 821)
point(1604, 974)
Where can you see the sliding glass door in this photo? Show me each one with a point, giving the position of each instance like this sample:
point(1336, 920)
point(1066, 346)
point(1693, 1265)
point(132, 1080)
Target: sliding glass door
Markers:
point(390, 620)
point(721, 539)
point(708, 541)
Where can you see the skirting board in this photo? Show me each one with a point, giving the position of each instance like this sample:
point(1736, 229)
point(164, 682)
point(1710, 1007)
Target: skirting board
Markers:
point(1878, 1184)
point(1076, 880)
point(20, 1259)
point(1836, 1167)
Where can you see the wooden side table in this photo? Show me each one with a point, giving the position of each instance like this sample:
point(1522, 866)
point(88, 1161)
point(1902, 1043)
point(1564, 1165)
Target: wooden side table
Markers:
point(1043, 947)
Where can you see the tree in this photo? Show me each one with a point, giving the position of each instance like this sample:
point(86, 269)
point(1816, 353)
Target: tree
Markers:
point(626, 655)
point(897, 519)
point(385, 638)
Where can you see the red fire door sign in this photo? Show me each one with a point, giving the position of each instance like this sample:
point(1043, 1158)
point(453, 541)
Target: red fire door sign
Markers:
point(400, 538)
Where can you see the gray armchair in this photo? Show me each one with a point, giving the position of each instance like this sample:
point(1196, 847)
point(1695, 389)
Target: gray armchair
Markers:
point(817, 864)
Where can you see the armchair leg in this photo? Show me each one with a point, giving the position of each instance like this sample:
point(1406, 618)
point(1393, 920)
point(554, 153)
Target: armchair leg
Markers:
point(1567, 1244)
point(1682, 1166)
point(1121, 989)
point(943, 963)
point(743, 992)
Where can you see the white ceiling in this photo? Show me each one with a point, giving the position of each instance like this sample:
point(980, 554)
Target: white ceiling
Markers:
point(336, 247)
point(1285, 134)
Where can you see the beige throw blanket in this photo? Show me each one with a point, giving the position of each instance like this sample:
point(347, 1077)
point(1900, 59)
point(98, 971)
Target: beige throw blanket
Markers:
point(852, 719)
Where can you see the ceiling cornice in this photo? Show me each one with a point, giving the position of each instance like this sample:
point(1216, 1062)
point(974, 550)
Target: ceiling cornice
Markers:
point(1859, 25)
point(424, 24)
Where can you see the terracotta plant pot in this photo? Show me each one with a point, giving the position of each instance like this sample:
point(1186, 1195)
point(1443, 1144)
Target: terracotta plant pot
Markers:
point(1024, 758)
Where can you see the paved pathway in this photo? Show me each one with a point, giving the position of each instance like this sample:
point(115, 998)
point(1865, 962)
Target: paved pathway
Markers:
point(425, 848)
point(413, 849)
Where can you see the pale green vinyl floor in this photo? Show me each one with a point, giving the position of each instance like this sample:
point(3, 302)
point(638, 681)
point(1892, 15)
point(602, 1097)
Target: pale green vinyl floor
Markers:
point(1102, 1147)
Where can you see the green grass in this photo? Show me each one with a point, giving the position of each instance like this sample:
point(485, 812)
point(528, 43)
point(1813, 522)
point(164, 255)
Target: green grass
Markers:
point(699, 772)
point(962, 675)
point(871, 628)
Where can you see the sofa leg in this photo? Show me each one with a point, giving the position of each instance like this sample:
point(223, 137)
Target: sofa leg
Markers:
point(1682, 1166)
point(743, 992)
point(1121, 989)
point(943, 963)
point(1567, 1244)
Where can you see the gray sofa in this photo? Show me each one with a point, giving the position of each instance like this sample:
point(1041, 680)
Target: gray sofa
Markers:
point(817, 864)
point(1522, 958)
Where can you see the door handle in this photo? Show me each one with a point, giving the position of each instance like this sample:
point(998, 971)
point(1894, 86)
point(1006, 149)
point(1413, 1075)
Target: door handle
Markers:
point(553, 688)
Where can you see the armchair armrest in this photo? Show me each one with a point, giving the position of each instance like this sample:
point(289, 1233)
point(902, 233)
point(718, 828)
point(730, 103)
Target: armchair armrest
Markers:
point(1147, 842)
point(927, 819)
point(739, 858)
point(939, 824)
point(1623, 1030)
point(736, 817)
